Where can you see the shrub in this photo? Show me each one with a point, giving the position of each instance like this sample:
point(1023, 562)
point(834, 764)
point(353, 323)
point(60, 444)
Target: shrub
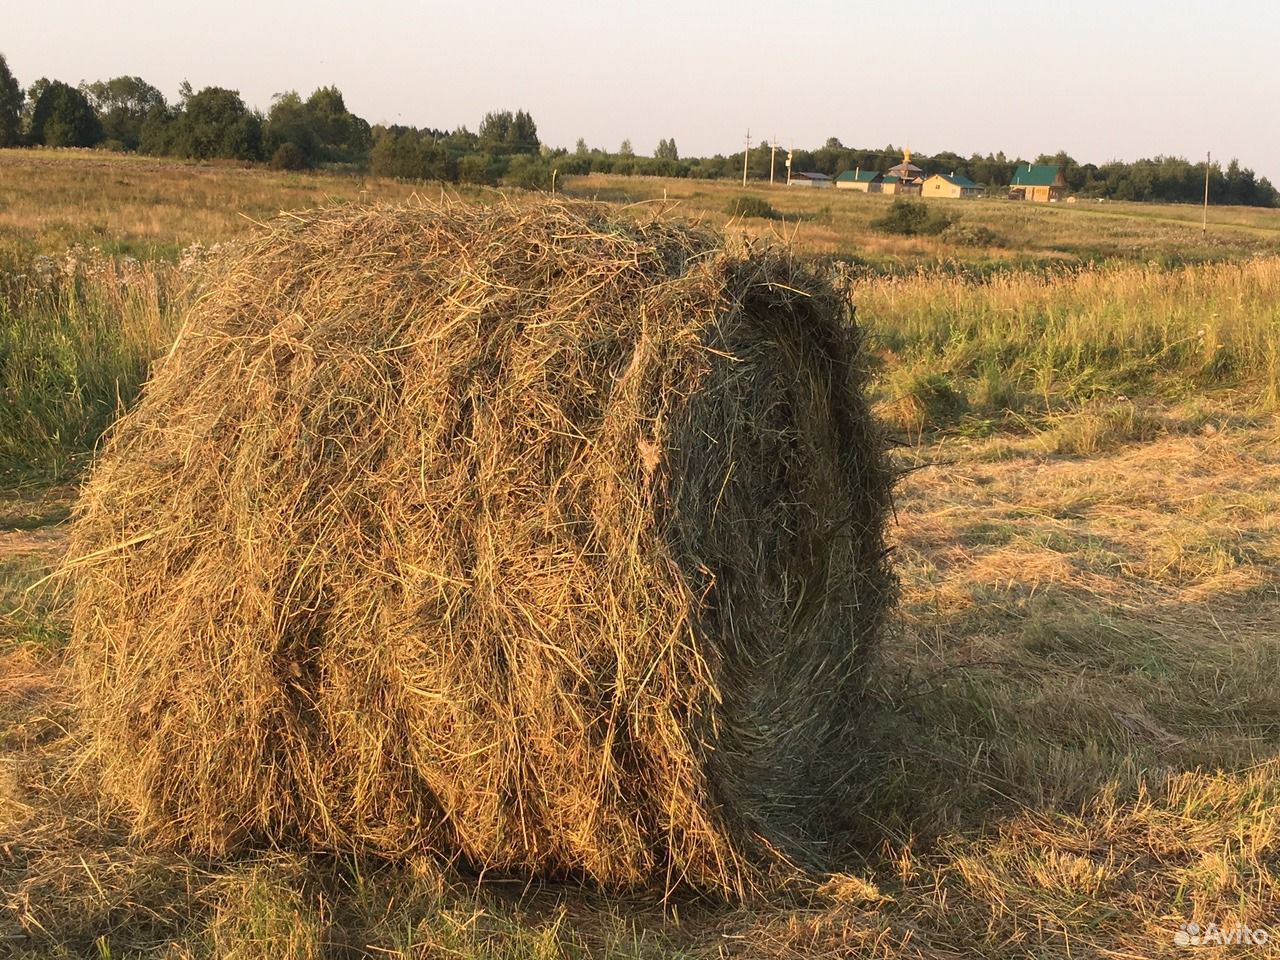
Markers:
point(477, 168)
point(972, 235)
point(752, 207)
point(288, 156)
point(912, 218)
point(529, 173)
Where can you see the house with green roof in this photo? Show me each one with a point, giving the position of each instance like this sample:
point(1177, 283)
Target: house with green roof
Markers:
point(950, 185)
point(904, 177)
point(868, 181)
point(1042, 182)
point(890, 183)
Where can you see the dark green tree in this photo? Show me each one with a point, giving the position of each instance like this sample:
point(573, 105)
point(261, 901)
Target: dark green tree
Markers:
point(158, 130)
point(34, 91)
point(123, 105)
point(342, 136)
point(478, 168)
point(522, 136)
point(63, 117)
point(531, 173)
point(290, 122)
point(495, 128)
point(666, 150)
point(408, 154)
point(215, 123)
point(10, 107)
point(504, 132)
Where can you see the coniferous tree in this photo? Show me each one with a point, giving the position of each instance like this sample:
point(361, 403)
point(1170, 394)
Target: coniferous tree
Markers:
point(63, 117)
point(10, 107)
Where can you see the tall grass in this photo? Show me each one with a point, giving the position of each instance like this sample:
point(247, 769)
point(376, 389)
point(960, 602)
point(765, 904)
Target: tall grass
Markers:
point(77, 335)
point(76, 338)
point(1067, 337)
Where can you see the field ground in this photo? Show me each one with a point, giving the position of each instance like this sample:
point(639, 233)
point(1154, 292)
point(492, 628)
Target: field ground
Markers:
point(54, 199)
point(1072, 747)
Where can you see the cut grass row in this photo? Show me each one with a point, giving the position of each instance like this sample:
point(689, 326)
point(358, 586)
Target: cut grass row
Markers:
point(1071, 752)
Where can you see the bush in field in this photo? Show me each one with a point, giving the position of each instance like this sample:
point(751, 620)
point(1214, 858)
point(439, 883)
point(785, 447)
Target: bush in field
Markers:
point(408, 154)
point(478, 168)
point(531, 173)
point(972, 235)
point(752, 207)
point(288, 157)
point(913, 218)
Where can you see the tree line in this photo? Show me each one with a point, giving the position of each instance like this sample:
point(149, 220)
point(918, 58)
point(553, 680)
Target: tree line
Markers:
point(129, 114)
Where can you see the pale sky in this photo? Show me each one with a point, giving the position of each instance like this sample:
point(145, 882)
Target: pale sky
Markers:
point(1114, 80)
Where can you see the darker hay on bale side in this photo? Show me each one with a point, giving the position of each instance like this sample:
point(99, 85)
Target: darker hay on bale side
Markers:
point(523, 534)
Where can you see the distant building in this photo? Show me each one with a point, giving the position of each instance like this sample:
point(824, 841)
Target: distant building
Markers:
point(890, 183)
point(950, 185)
point(1042, 182)
point(868, 181)
point(908, 178)
point(810, 178)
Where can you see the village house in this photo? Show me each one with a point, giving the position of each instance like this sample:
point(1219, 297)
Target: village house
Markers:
point(950, 185)
point(1042, 182)
point(907, 178)
point(868, 181)
point(810, 178)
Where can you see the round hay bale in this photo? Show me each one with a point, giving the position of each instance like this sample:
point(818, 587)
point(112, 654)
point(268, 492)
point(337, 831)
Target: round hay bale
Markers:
point(526, 534)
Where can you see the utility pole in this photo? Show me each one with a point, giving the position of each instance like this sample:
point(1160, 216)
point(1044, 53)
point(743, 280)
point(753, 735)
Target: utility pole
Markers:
point(773, 153)
point(790, 151)
point(745, 156)
point(1204, 228)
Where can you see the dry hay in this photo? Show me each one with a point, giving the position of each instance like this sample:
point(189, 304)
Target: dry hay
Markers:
point(525, 534)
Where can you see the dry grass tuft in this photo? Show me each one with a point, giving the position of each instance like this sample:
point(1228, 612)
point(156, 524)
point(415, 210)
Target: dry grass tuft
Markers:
point(523, 534)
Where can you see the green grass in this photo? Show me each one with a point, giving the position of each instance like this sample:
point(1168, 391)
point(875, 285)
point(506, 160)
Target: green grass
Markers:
point(77, 337)
point(1031, 344)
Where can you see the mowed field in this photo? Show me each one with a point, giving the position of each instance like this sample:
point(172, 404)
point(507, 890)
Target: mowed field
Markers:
point(1071, 748)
